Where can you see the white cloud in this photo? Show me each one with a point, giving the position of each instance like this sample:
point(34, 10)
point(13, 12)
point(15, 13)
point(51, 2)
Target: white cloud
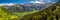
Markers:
point(7, 4)
point(35, 2)
point(41, 2)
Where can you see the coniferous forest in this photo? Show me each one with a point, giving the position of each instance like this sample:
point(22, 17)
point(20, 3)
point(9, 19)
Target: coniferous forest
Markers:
point(21, 12)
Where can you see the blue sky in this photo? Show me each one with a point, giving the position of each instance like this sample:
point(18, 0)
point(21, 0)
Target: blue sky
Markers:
point(20, 1)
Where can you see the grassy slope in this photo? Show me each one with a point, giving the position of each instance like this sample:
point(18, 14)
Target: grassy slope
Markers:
point(36, 15)
point(6, 15)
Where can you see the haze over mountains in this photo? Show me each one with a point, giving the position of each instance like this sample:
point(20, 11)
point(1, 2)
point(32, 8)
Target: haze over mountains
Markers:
point(27, 7)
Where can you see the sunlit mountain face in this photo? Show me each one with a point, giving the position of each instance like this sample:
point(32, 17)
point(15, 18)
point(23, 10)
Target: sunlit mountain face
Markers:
point(26, 5)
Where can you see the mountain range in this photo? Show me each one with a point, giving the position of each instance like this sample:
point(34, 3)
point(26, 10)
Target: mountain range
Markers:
point(27, 7)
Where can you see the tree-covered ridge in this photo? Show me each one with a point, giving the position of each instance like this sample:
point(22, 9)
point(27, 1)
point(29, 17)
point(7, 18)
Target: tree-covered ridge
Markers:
point(50, 13)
